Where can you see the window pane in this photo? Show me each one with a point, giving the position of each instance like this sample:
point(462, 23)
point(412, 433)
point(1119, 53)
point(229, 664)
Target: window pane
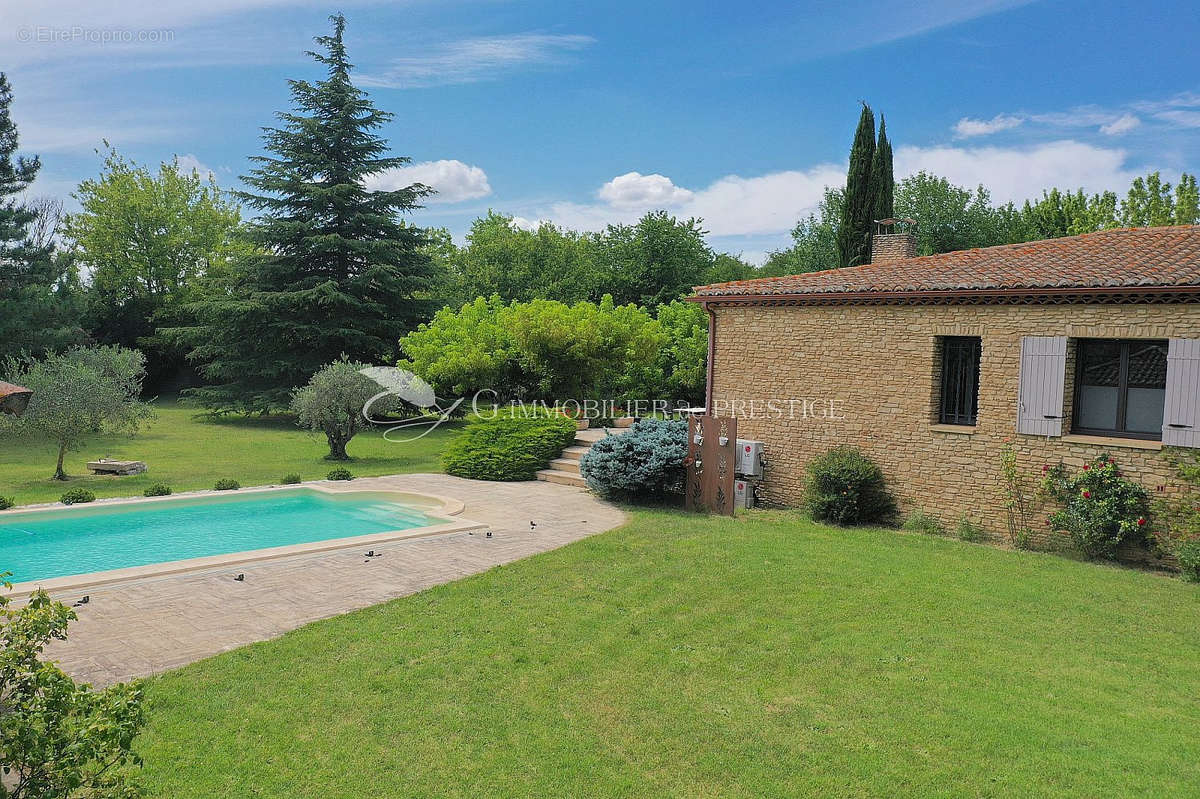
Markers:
point(1101, 363)
point(960, 380)
point(1147, 364)
point(1144, 410)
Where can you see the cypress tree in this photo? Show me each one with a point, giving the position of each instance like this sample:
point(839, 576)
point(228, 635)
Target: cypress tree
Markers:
point(337, 272)
point(883, 184)
point(37, 314)
point(854, 231)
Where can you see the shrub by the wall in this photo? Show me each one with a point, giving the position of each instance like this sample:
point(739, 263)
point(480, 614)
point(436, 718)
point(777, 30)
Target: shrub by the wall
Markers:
point(227, 484)
point(1178, 520)
point(1100, 508)
point(845, 487)
point(78, 496)
point(646, 462)
point(157, 490)
point(508, 447)
point(921, 522)
point(970, 531)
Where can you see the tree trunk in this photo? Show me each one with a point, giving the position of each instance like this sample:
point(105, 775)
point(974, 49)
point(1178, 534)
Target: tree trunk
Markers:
point(59, 474)
point(337, 448)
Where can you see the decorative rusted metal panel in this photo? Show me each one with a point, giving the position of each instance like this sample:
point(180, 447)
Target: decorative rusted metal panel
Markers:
point(712, 456)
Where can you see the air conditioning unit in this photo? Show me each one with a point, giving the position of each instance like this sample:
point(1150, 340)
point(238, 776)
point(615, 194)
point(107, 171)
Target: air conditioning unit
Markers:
point(743, 493)
point(750, 458)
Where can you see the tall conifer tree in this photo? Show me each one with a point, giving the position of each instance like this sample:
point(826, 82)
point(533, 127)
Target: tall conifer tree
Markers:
point(337, 272)
point(883, 183)
point(36, 313)
point(854, 231)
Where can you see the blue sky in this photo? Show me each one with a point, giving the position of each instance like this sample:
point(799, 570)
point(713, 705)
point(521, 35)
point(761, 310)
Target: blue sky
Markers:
point(585, 113)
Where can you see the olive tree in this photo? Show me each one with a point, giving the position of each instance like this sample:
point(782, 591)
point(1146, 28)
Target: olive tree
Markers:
point(81, 392)
point(333, 401)
point(58, 738)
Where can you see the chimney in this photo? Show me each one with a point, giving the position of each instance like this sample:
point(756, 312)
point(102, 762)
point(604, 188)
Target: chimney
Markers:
point(889, 244)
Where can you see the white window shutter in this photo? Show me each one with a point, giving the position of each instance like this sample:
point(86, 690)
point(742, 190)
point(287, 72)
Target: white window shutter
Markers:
point(1181, 416)
point(1040, 394)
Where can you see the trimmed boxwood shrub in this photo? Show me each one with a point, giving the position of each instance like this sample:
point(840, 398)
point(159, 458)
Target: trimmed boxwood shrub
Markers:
point(78, 496)
point(157, 490)
point(227, 484)
point(290, 479)
point(339, 474)
point(508, 447)
point(646, 462)
point(7, 502)
point(846, 487)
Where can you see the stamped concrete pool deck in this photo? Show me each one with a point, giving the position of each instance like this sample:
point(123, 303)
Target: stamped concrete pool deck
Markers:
point(144, 626)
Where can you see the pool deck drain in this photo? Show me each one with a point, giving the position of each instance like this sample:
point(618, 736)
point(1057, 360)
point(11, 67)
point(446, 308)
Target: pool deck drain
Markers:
point(150, 625)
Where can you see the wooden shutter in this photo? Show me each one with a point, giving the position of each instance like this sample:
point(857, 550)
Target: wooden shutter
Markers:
point(1181, 417)
point(1040, 394)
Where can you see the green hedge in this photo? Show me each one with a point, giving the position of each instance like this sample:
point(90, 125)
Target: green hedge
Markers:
point(507, 447)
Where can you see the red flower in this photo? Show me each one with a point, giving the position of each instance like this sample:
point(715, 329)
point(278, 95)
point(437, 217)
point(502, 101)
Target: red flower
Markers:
point(1045, 467)
point(1141, 522)
point(1087, 494)
point(1086, 467)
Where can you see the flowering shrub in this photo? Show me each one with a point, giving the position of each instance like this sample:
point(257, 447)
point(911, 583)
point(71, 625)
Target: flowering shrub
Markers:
point(1179, 520)
point(846, 487)
point(1100, 508)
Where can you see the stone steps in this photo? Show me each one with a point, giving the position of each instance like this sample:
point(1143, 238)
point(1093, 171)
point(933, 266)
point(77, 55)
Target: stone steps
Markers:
point(565, 470)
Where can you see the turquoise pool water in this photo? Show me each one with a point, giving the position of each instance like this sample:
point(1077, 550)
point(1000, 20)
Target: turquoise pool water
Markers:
point(78, 540)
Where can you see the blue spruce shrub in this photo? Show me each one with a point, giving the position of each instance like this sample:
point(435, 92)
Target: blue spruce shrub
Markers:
point(646, 462)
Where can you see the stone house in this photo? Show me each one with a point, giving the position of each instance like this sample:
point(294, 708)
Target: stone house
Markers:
point(1066, 348)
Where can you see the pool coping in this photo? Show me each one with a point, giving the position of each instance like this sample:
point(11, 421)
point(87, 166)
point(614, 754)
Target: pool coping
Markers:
point(446, 507)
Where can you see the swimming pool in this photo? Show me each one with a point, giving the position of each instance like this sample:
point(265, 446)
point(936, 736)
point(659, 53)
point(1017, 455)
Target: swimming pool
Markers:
point(44, 545)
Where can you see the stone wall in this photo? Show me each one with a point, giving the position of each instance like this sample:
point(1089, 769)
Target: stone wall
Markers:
point(868, 377)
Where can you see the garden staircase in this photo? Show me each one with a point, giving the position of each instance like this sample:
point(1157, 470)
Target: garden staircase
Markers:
point(565, 469)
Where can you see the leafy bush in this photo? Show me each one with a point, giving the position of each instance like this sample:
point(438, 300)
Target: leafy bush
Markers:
point(968, 530)
point(643, 463)
point(227, 484)
point(7, 502)
point(60, 738)
point(845, 487)
point(77, 496)
point(290, 479)
point(921, 522)
point(157, 490)
point(1178, 519)
point(508, 447)
point(339, 474)
point(540, 350)
point(1100, 509)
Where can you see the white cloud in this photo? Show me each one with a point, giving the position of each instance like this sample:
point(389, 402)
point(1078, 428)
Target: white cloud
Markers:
point(474, 60)
point(453, 180)
point(1176, 116)
point(633, 189)
point(967, 127)
point(1123, 124)
point(1021, 173)
point(769, 205)
point(189, 162)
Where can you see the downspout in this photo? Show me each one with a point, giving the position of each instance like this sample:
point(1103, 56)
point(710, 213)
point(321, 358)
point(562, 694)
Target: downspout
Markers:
point(712, 356)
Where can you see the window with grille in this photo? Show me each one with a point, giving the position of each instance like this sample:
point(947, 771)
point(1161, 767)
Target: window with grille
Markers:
point(1120, 387)
point(960, 380)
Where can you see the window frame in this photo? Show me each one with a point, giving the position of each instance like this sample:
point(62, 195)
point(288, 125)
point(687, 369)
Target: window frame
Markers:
point(1126, 344)
point(959, 419)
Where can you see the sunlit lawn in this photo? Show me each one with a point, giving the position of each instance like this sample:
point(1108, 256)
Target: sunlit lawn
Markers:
point(683, 656)
point(189, 450)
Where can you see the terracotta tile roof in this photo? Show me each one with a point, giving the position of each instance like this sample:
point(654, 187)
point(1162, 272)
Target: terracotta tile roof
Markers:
point(1129, 259)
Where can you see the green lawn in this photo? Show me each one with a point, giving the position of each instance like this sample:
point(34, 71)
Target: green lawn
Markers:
point(189, 450)
point(766, 656)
